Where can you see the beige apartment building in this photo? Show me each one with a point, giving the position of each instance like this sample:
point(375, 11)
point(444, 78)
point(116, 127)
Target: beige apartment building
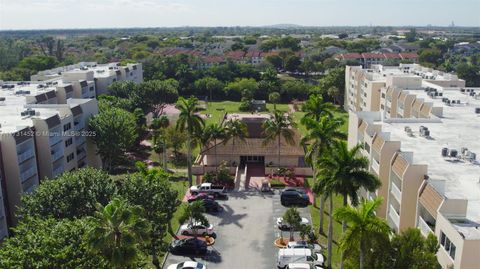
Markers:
point(90, 79)
point(422, 145)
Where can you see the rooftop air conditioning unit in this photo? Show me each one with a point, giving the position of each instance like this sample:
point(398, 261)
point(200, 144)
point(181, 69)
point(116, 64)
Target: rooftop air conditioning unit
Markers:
point(444, 152)
point(453, 153)
point(477, 110)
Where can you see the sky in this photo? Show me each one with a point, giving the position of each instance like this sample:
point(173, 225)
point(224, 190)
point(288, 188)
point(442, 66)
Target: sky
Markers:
point(61, 14)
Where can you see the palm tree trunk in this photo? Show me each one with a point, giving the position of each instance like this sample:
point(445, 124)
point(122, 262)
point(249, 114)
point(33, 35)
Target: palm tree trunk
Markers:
point(330, 231)
point(215, 150)
point(278, 164)
point(164, 155)
point(189, 160)
point(362, 255)
point(344, 228)
point(322, 214)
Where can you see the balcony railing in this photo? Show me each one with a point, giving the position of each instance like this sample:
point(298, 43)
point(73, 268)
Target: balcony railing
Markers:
point(54, 139)
point(57, 155)
point(57, 171)
point(396, 192)
point(423, 226)
point(25, 155)
point(28, 173)
point(78, 126)
point(375, 166)
point(394, 216)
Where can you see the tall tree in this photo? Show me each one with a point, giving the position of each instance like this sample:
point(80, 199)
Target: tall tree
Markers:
point(192, 123)
point(274, 98)
point(315, 108)
point(235, 129)
point(117, 232)
point(293, 219)
point(215, 133)
point(348, 173)
point(364, 226)
point(318, 141)
point(412, 250)
point(159, 137)
point(115, 133)
point(279, 126)
point(193, 214)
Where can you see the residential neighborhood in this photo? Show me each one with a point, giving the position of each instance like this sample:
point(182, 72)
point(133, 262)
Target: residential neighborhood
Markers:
point(239, 135)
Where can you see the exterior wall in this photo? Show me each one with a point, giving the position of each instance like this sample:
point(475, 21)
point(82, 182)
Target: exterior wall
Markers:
point(47, 147)
point(412, 180)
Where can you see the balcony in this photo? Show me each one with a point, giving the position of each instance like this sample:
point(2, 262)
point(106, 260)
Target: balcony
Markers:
point(78, 126)
point(26, 155)
point(57, 155)
point(79, 140)
point(375, 166)
point(81, 154)
point(54, 139)
point(394, 216)
point(28, 173)
point(396, 192)
point(424, 227)
point(57, 171)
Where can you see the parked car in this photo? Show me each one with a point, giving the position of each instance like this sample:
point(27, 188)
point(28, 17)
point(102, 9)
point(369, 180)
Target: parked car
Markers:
point(187, 265)
point(200, 196)
point(211, 205)
point(189, 229)
point(294, 197)
point(206, 188)
point(304, 244)
point(288, 256)
point(188, 246)
point(303, 266)
point(285, 226)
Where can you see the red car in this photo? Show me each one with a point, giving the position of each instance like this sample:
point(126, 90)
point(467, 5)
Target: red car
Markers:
point(200, 196)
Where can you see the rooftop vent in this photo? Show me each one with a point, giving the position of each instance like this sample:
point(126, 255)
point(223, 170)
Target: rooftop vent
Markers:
point(444, 152)
point(453, 153)
point(477, 110)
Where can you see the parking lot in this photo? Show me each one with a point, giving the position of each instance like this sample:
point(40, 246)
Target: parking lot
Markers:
point(245, 232)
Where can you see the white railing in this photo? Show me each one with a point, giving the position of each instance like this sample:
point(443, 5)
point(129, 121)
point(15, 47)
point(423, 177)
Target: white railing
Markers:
point(375, 166)
point(397, 193)
point(394, 215)
point(79, 126)
point(25, 155)
point(423, 226)
point(79, 140)
point(28, 173)
point(54, 139)
point(57, 171)
point(57, 155)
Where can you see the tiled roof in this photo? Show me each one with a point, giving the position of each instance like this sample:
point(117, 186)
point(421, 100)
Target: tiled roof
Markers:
point(409, 55)
point(373, 55)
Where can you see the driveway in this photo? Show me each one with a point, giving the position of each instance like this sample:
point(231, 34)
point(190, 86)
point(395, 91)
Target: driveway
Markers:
point(245, 232)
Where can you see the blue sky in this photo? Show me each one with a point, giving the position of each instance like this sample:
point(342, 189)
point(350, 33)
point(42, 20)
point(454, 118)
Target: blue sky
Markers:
point(47, 14)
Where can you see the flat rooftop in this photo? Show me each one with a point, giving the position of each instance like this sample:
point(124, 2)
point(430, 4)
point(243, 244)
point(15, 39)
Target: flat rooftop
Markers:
point(15, 92)
point(458, 128)
point(380, 72)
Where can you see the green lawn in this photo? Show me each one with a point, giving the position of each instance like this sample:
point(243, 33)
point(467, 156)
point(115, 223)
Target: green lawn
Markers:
point(337, 226)
point(218, 109)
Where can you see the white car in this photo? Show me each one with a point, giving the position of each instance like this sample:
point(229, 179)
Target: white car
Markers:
point(303, 266)
point(285, 226)
point(187, 265)
point(304, 244)
point(189, 229)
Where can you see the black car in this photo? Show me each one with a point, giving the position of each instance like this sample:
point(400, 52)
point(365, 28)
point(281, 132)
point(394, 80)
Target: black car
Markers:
point(188, 246)
point(211, 205)
point(294, 197)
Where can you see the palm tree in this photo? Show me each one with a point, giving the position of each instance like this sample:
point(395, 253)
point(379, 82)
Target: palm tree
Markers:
point(276, 127)
point(364, 226)
point(315, 108)
point(159, 142)
point(118, 231)
point(348, 172)
point(192, 123)
point(235, 129)
point(293, 219)
point(194, 214)
point(214, 132)
point(321, 134)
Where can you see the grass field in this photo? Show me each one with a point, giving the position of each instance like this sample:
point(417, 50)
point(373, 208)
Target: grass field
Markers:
point(337, 226)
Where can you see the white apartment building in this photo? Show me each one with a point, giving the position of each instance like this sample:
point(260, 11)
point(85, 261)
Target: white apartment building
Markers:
point(425, 157)
point(91, 78)
point(373, 89)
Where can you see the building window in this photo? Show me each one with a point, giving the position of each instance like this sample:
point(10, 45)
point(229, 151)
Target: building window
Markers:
point(91, 89)
point(449, 247)
point(67, 127)
point(68, 142)
point(70, 157)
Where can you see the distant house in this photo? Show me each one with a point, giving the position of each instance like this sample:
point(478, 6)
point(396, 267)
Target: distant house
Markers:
point(259, 105)
point(368, 59)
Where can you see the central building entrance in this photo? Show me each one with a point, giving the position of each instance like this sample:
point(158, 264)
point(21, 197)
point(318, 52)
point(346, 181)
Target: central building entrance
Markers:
point(252, 159)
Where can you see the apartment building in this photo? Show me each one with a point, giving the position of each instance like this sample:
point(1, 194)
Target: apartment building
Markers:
point(426, 160)
point(368, 59)
point(90, 79)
